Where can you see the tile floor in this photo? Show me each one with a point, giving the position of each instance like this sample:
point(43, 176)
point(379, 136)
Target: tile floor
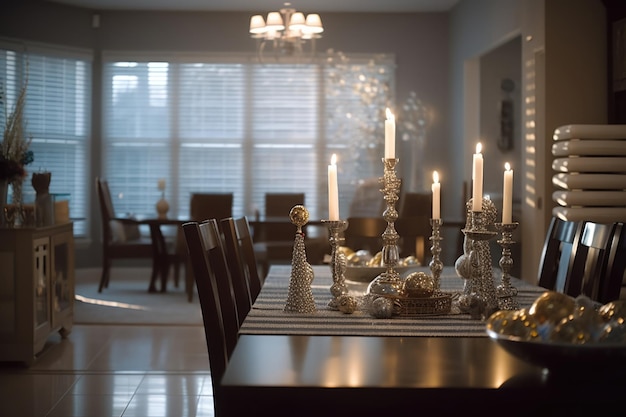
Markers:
point(106, 371)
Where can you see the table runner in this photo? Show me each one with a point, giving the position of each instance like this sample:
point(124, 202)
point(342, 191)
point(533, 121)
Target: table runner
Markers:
point(267, 315)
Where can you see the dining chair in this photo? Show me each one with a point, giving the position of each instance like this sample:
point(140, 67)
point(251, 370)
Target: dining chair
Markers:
point(204, 206)
point(209, 265)
point(213, 315)
point(561, 240)
point(241, 232)
point(238, 267)
point(614, 276)
point(278, 242)
point(596, 268)
point(365, 233)
point(120, 237)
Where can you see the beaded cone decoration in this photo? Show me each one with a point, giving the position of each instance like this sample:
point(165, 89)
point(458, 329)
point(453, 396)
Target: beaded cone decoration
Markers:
point(300, 296)
point(479, 292)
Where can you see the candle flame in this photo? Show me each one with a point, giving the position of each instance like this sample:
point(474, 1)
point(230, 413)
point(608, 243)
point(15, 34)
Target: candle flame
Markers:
point(479, 147)
point(333, 159)
point(435, 177)
point(389, 114)
point(507, 166)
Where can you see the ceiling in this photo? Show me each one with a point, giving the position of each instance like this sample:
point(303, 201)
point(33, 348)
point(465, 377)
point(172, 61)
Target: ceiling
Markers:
point(261, 6)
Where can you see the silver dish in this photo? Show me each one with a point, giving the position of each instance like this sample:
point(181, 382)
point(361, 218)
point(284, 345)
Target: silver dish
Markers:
point(554, 356)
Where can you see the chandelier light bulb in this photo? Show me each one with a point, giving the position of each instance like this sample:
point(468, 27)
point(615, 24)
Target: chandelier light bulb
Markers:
point(314, 23)
point(274, 21)
point(286, 34)
point(297, 22)
point(257, 24)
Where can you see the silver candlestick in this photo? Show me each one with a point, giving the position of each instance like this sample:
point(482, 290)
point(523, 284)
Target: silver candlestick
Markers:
point(337, 261)
point(436, 266)
point(506, 292)
point(389, 282)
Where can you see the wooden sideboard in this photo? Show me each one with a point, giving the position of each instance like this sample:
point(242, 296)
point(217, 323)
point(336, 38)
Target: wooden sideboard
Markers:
point(36, 289)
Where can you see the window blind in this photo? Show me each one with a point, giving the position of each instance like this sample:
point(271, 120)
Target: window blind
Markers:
point(218, 124)
point(57, 117)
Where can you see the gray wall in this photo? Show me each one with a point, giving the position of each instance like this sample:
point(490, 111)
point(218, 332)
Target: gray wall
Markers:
point(419, 43)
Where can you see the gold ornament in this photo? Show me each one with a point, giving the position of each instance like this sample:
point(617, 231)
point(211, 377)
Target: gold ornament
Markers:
point(552, 307)
point(299, 215)
point(376, 260)
point(499, 320)
point(614, 310)
point(347, 304)
point(521, 324)
point(571, 329)
point(419, 285)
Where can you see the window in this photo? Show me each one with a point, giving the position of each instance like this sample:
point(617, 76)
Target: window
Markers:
point(57, 115)
point(223, 124)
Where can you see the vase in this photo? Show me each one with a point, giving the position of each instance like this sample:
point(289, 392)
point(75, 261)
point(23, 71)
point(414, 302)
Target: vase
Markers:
point(162, 207)
point(44, 205)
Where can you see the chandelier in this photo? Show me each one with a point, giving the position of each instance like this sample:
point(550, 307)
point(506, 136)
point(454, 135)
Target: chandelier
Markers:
point(286, 33)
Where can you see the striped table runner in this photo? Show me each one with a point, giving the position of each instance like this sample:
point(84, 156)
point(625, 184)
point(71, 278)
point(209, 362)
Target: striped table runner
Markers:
point(267, 315)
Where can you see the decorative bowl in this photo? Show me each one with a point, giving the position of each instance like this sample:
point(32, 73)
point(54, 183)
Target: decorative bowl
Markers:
point(368, 273)
point(555, 356)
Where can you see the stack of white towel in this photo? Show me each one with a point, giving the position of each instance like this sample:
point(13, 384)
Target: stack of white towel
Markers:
point(590, 161)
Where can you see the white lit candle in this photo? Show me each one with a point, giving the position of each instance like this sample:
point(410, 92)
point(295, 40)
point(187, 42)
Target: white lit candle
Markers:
point(390, 136)
point(161, 184)
point(436, 196)
point(477, 175)
point(507, 194)
point(333, 190)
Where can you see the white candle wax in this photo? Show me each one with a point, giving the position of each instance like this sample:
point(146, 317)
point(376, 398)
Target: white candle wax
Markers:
point(436, 187)
point(333, 190)
point(477, 175)
point(390, 136)
point(161, 184)
point(507, 194)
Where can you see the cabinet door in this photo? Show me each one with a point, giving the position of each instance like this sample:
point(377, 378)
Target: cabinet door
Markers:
point(62, 282)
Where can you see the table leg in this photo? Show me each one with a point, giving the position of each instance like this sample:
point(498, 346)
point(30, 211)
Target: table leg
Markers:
point(160, 264)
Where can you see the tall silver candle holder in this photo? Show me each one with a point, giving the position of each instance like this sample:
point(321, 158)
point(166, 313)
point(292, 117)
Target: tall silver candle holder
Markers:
point(436, 266)
point(337, 261)
point(506, 292)
point(479, 297)
point(389, 283)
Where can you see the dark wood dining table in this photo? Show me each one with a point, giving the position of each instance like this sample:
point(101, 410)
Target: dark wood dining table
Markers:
point(330, 363)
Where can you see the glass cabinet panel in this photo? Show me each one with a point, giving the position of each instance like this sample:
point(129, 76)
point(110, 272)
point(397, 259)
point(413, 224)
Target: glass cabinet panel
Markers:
point(62, 289)
point(41, 266)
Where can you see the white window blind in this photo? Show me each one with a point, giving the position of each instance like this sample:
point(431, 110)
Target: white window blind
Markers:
point(218, 124)
point(57, 116)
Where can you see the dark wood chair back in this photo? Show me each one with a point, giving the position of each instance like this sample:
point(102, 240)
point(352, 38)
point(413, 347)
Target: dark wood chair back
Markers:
point(237, 266)
point(215, 269)
point(584, 257)
point(126, 247)
point(279, 239)
point(213, 316)
point(614, 275)
point(365, 233)
point(244, 235)
point(561, 240)
point(590, 269)
point(203, 206)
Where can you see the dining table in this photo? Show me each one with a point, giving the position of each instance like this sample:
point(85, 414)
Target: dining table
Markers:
point(160, 245)
point(332, 363)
